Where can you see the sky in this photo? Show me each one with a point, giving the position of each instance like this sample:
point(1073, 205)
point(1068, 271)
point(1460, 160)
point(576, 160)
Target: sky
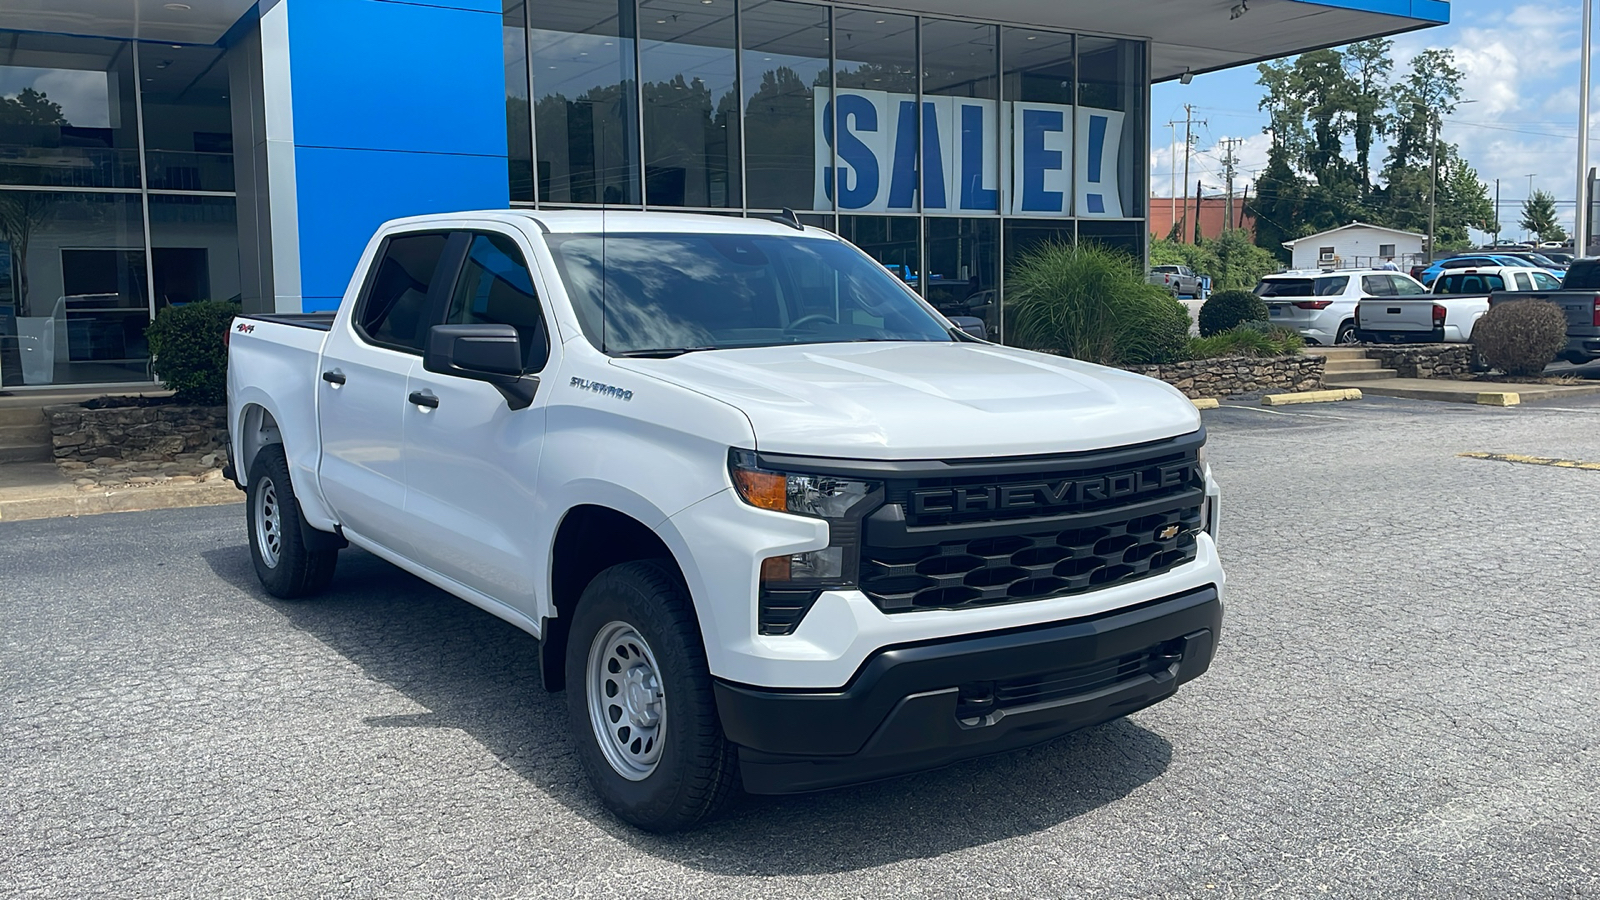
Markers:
point(1520, 66)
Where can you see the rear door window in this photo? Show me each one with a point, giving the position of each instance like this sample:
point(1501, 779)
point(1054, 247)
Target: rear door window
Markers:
point(1524, 283)
point(394, 312)
point(1377, 285)
point(1332, 286)
point(1406, 287)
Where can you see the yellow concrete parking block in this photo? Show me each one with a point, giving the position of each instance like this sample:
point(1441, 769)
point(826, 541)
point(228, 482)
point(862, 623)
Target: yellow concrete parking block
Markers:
point(1206, 403)
point(1328, 396)
point(1499, 398)
point(1534, 460)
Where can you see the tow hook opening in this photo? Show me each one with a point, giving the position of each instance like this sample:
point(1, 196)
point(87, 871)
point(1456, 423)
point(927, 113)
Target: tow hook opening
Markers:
point(974, 702)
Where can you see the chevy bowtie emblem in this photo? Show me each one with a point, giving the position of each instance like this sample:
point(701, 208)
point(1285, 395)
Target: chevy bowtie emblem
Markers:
point(1168, 532)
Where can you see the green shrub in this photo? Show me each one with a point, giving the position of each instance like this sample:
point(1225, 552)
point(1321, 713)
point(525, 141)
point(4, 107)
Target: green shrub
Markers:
point(1249, 339)
point(1092, 303)
point(186, 344)
point(1521, 337)
point(1229, 309)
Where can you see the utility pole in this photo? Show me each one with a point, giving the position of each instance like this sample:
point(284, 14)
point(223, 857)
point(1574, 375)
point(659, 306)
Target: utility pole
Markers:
point(1172, 176)
point(1433, 183)
point(1531, 176)
point(1188, 142)
point(1497, 210)
point(1580, 237)
point(1229, 160)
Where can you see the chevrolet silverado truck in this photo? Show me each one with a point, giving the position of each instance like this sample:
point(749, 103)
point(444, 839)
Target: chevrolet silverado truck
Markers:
point(1460, 297)
point(1579, 298)
point(772, 519)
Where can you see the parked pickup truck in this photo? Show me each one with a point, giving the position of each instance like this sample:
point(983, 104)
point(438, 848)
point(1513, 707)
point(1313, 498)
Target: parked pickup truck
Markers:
point(1578, 297)
point(769, 515)
point(1180, 280)
point(1458, 300)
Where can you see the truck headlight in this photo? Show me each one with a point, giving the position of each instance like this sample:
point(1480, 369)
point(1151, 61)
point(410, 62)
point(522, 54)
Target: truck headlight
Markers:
point(790, 583)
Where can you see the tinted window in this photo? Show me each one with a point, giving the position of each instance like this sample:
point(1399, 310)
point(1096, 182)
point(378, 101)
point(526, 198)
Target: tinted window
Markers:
point(1284, 287)
point(1468, 283)
point(1405, 286)
point(396, 309)
point(1377, 285)
point(1524, 283)
point(1332, 286)
point(496, 288)
point(1544, 281)
point(1583, 276)
point(652, 292)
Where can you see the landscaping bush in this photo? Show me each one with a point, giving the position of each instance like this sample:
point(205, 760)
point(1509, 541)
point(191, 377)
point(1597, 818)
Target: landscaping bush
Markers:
point(1521, 337)
point(1229, 309)
point(186, 344)
point(1248, 339)
point(1092, 303)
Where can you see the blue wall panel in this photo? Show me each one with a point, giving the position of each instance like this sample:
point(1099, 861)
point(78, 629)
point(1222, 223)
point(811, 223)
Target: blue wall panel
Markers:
point(399, 110)
point(346, 194)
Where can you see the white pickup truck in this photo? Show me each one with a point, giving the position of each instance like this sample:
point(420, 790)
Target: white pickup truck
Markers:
point(1446, 314)
point(769, 515)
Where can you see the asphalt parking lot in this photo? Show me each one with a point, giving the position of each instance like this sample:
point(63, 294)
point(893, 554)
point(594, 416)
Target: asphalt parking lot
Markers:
point(1404, 704)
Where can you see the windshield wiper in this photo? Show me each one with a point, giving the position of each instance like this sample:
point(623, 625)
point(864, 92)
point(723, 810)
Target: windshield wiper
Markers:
point(659, 353)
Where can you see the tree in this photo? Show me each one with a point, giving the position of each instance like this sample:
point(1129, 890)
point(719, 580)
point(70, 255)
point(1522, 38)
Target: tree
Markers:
point(1368, 65)
point(1539, 217)
point(1430, 91)
point(31, 107)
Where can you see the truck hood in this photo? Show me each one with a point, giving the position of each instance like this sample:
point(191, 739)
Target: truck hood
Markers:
point(927, 400)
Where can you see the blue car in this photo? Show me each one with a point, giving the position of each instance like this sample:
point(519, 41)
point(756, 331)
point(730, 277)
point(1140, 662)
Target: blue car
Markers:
point(1488, 259)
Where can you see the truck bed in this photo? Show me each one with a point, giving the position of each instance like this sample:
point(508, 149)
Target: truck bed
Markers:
point(1582, 309)
point(321, 321)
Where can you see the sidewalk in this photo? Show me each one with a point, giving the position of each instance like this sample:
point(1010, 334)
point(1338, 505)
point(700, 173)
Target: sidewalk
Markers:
point(38, 490)
point(1451, 391)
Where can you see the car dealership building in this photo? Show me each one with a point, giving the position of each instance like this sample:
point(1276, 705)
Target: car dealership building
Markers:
point(156, 153)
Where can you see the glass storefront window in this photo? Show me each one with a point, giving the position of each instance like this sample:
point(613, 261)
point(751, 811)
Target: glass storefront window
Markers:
point(1127, 235)
point(585, 114)
point(78, 307)
point(892, 240)
point(188, 120)
point(194, 245)
point(67, 112)
point(875, 122)
point(519, 124)
point(1038, 89)
point(964, 268)
point(1112, 122)
point(786, 86)
point(960, 144)
point(691, 114)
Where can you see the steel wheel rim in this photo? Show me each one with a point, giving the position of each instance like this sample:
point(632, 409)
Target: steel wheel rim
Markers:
point(627, 703)
point(269, 523)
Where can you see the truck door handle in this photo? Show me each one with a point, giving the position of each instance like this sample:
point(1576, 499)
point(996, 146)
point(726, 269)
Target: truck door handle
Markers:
point(333, 377)
point(422, 398)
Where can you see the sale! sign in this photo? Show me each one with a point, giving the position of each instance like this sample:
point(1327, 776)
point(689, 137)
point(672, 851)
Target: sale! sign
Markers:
point(962, 168)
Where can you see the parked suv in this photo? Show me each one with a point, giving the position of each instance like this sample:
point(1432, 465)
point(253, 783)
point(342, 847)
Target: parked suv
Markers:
point(1321, 305)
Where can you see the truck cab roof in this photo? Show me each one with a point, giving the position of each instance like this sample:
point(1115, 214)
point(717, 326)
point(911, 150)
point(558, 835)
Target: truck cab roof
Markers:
point(596, 221)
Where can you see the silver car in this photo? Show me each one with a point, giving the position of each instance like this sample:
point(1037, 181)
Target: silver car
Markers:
point(1321, 305)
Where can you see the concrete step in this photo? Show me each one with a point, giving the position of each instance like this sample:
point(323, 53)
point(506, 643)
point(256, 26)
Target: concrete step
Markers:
point(1339, 379)
point(20, 415)
point(1350, 365)
point(36, 433)
point(1340, 353)
point(25, 453)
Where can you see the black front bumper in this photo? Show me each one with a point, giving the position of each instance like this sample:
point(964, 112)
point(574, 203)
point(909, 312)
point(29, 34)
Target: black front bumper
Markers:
point(923, 705)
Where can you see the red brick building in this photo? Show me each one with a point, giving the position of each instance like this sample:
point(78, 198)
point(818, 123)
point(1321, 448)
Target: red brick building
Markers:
point(1213, 214)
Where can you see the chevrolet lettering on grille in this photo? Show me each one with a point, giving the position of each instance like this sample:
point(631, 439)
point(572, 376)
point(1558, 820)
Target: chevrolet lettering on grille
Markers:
point(1029, 495)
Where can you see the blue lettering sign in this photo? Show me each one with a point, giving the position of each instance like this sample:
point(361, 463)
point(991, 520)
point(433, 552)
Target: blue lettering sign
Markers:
point(1097, 148)
point(856, 154)
point(903, 168)
point(973, 193)
point(932, 160)
point(1036, 160)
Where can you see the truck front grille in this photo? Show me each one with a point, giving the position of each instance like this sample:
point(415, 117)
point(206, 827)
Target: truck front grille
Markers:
point(1011, 568)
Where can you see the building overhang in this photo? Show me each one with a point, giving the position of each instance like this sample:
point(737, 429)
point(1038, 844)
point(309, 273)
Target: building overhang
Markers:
point(187, 22)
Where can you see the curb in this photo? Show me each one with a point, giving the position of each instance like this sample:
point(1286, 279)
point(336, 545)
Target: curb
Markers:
point(1206, 403)
point(214, 493)
point(1311, 397)
point(1499, 398)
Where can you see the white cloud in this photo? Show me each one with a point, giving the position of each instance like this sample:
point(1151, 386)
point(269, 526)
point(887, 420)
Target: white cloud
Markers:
point(84, 95)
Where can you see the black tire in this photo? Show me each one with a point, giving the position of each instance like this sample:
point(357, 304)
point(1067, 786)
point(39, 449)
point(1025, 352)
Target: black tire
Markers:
point(294, 570)
point(694, 771)
point(1346, 334)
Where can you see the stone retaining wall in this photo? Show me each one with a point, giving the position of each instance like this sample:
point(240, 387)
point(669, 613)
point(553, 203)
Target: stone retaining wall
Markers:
point(1424, 360)
point(1232, 375)
point(136, 433)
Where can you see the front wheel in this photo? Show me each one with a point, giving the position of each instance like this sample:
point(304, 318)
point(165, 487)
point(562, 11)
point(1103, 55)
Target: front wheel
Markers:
point(1347, 334)
point(286, 566)
point(639, 701)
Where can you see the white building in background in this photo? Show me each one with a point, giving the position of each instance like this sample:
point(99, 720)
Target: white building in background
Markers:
point(1357, 246)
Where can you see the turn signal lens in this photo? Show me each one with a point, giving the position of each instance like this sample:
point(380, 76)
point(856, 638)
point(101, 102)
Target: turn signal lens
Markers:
point(768, 490)
point(776, 568)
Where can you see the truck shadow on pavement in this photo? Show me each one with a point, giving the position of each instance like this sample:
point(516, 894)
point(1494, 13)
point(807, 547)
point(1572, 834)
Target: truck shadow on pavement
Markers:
point(478, 674)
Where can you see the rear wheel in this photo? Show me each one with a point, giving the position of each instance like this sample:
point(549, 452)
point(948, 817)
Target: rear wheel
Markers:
point(286, 567)
point(640, 704)
point(1347, 334)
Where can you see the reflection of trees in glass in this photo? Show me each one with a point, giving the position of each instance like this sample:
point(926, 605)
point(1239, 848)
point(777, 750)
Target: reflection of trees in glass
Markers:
point(780, 139)
point(519, 127)
point(585, 146)
point(687, 152)
point(22, 213)
point(31, 107)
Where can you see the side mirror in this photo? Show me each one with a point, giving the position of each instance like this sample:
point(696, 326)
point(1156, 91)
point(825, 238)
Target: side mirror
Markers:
point(971, 325)
point(487, 353)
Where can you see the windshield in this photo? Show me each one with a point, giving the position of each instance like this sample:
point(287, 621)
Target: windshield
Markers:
point(1542, 260)
point(642, 294)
